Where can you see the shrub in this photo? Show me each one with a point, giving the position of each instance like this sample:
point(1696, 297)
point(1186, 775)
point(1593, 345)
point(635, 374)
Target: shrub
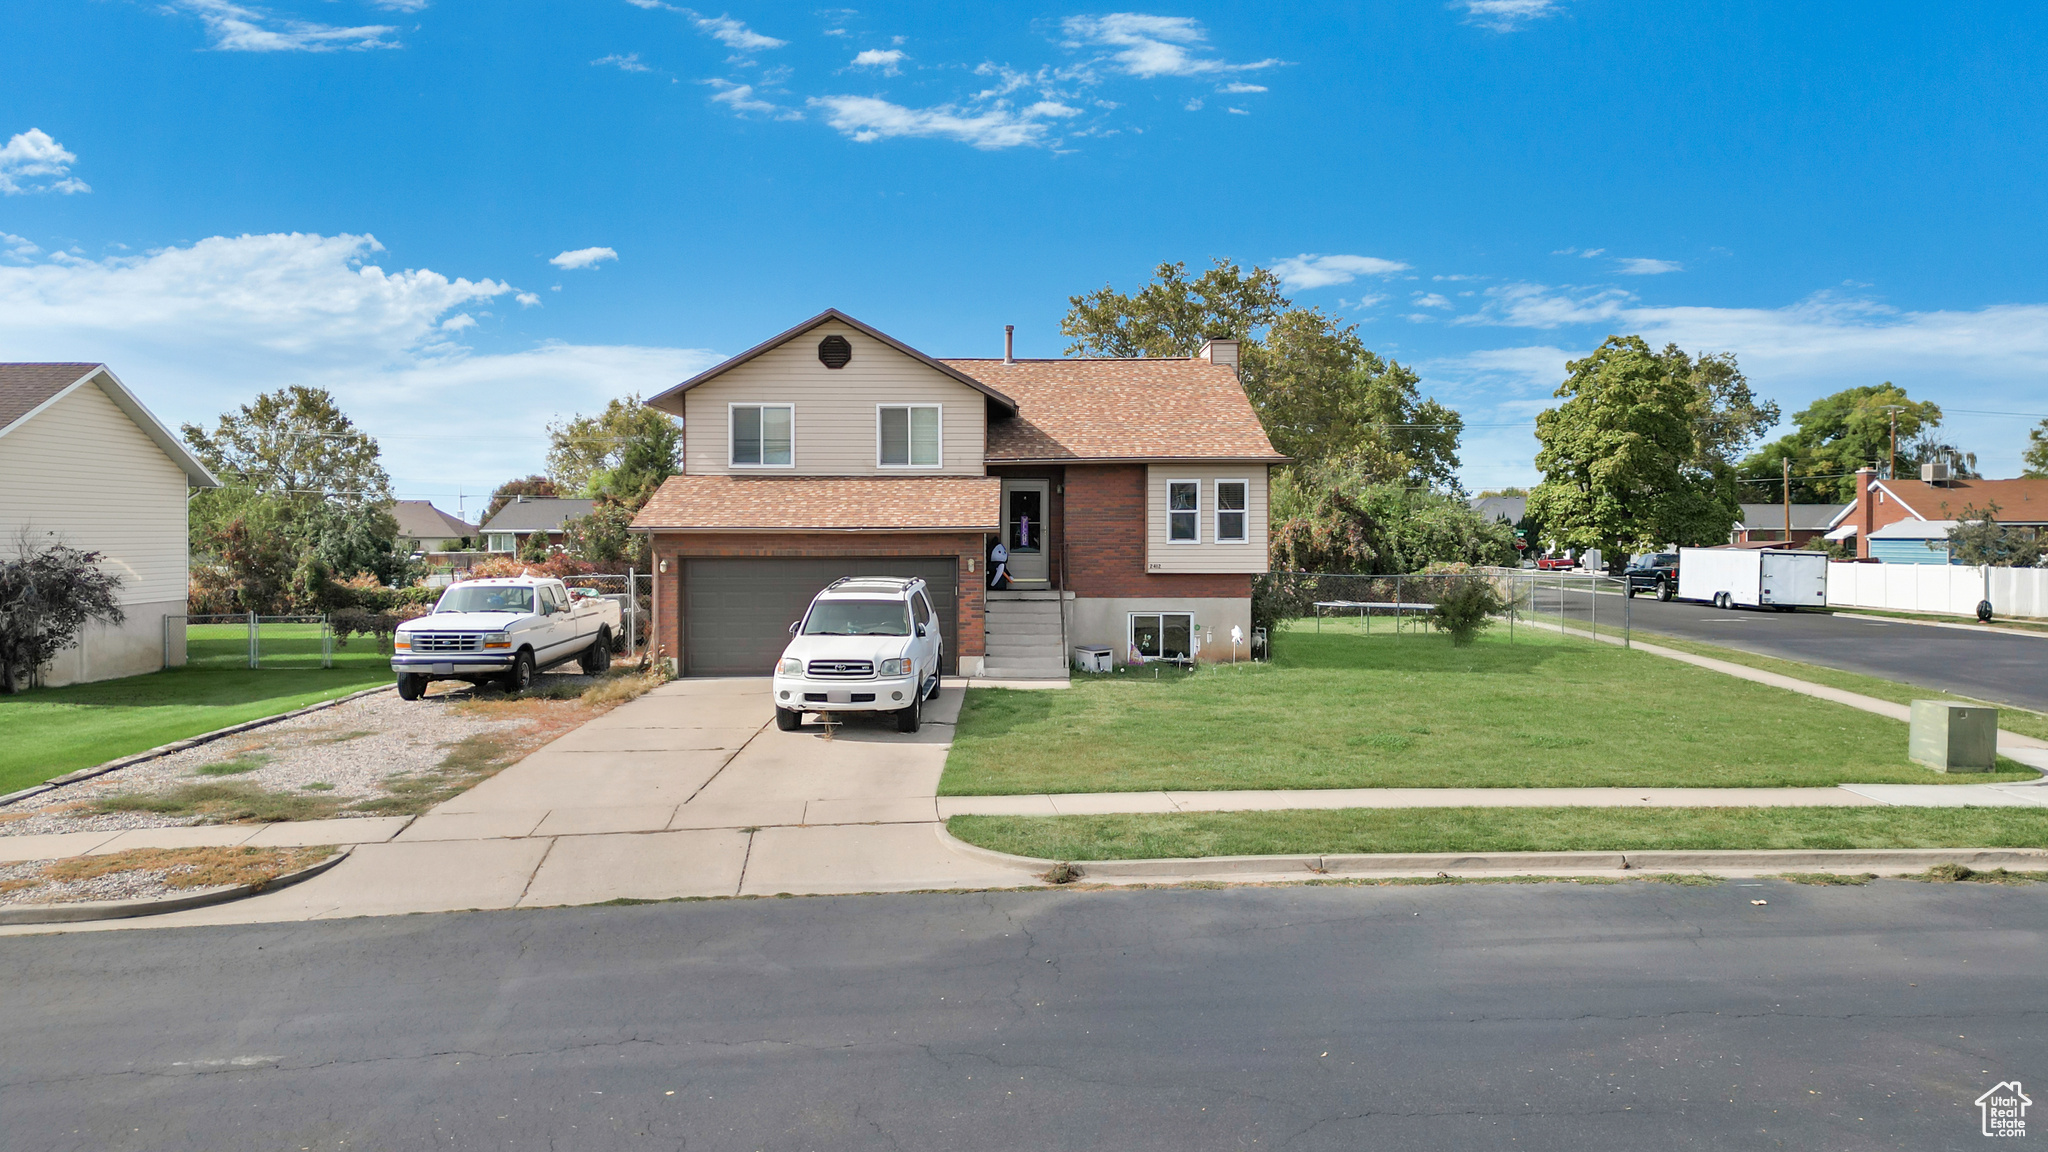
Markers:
point(48, 593)
point(1466, 607)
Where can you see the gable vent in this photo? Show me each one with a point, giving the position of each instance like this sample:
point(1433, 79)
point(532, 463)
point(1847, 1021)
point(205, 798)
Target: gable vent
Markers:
point(834, 352)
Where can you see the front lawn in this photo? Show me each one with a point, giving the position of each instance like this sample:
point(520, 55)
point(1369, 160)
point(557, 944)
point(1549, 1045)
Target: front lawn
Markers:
point(1343, 710)
point(1376, 830)
point(50, 731)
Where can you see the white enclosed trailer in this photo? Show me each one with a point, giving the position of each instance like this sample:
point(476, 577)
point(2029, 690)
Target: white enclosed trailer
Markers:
point(1753, 577)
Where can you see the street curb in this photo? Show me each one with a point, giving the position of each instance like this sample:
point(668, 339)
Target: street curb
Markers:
point(1454, 863)
point(125, 909)
point(163, 750)
point(1846, 611)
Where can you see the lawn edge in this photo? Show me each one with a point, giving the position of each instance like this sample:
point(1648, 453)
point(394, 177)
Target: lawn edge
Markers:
point(1312, 865)
point(174, 746)
point(87, 911)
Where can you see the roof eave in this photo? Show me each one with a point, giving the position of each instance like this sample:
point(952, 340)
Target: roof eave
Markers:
point(1139, 459)
point(776, 341)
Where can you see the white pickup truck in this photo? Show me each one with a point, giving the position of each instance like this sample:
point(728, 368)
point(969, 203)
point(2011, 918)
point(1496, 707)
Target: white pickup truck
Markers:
point(504, 630)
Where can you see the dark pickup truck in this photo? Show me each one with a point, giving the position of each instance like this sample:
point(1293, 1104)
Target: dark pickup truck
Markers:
point(1656, 572)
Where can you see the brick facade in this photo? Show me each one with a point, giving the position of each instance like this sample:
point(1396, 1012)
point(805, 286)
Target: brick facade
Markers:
point(671, 548)
point(1104, 523)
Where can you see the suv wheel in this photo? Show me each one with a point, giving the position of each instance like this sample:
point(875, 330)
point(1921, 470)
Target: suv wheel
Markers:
point(788, 719)
point(907, 719)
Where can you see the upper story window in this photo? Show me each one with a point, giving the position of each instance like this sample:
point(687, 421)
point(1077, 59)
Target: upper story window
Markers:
point(908, 435)
point(1183, 511)
point(763, 435)
point(1232, 500)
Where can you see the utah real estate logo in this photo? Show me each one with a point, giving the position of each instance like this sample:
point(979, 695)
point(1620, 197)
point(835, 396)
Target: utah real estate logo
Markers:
point(2004, 1110)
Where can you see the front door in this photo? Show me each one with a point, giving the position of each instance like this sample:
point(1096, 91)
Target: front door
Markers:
point(1024, 507)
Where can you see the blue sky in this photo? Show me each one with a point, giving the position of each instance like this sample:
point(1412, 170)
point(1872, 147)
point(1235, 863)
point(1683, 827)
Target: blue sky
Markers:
point(469, 219)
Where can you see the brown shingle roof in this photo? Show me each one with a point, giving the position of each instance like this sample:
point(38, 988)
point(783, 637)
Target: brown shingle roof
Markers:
point(1151, 409)
point(23, 386)
point(825, 503)
point(2019, 501)
point(419, 520)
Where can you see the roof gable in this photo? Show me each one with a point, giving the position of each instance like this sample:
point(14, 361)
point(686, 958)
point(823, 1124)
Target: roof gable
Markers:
point(420, 519)
point(671, 400)
point(537, 514)
point(26, 390)
point(2023, 501)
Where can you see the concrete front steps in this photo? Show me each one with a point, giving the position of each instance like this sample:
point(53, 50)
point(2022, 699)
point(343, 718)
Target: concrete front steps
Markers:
point(1026, 637)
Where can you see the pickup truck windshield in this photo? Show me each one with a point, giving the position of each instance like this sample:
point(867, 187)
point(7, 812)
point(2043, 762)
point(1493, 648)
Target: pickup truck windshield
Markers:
point(475, 598)
point(858, 618)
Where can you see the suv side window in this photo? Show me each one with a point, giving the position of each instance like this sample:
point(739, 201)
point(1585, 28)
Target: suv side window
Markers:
point(920, 609)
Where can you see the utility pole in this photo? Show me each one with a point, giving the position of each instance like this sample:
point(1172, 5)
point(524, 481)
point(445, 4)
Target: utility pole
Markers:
point(1891, 464)
point(1786, 491)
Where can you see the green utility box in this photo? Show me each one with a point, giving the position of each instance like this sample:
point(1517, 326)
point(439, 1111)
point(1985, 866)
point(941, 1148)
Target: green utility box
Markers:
point(1950, 737)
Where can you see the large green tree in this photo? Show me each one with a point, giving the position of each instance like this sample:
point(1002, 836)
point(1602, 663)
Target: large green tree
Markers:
point(623, 452)
point(1380, 529)
point(1835, 435)
point(538, 487)
point(1626, 466)
point(1325, 399)
point(300, 482)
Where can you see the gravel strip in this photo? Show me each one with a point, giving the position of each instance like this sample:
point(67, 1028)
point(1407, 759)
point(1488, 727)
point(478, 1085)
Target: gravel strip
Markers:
point(344, 752)
point(142, 884)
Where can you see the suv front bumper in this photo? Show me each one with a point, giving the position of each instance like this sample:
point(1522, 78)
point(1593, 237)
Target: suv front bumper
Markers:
point(880, 695)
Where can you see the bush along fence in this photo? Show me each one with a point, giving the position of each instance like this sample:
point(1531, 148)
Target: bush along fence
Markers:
point(1462, 603)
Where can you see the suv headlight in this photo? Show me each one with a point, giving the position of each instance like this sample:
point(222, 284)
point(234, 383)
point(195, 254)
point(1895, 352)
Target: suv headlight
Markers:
point(895, 668)
point(497, 639)
point(790, 666)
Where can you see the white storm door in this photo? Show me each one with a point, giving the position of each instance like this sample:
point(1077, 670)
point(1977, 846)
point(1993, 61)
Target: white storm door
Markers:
point(1024, 507)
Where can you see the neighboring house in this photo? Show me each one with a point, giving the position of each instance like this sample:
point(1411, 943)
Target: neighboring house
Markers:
point(1766, 522)
point(1910, 541)
point(1509, 508)
point(526, 515)
point(1129, 494)
point(1879, 503)
point(83, 462)
point(425, 528)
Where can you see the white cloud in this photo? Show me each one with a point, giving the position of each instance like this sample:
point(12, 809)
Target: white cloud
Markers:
point(1506, 15)
point(1312, 271)
point(741, 99)
point(400, 5)
point(630, 62)
point(1239, 87)
point(34, 157)
point(1148, 46)
point(1644, 266)
point(1237, 111)
point(1432, 300)
point(735, 35)
point(200, 329)
point(584, 258)
point(18, 247)
point(528, 300)
point(1194, 104)
point(238, 29)
point(866, 119)
point(1363, 302)
point(885, 59)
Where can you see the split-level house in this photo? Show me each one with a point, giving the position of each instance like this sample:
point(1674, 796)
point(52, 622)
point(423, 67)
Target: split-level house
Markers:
point(1129, 495)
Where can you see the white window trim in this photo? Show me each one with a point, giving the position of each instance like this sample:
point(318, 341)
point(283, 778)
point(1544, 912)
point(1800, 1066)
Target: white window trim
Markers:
point(1131, 633)
point(1247, 512)
point(940, 463)
point(1166, 499)
point(731, 430)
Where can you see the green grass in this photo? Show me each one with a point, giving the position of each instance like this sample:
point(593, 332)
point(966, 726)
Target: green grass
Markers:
point(229, 802)
point(1371, 830)
point(50, 731)
point(1342, 710)
point(2011, 719)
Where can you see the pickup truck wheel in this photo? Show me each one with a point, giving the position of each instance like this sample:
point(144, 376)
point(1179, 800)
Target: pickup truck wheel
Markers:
point(411, 686)
point(1664, 591)
point(788, 719)
point(1631, 591)
point(598, 656)
point(907, 718)
point(520, 676)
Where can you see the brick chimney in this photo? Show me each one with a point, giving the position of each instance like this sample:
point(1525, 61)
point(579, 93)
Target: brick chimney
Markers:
point(1219, 352)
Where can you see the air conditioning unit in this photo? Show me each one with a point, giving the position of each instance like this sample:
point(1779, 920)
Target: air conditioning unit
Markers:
point(1936, 472)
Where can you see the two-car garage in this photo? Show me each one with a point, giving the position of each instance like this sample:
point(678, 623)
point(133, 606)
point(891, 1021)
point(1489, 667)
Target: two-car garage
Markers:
point(737, 609)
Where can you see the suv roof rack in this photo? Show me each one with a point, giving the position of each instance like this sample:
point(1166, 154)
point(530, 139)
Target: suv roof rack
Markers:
point(903, 581)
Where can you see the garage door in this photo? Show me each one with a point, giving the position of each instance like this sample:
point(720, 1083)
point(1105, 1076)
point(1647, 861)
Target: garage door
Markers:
point(737, 611)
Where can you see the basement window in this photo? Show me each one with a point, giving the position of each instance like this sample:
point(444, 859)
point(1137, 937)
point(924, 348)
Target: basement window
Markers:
point(1162, 636)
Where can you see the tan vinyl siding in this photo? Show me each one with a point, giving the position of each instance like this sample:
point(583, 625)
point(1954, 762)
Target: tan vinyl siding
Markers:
point(1207, 555)
point(82, 469)
point(835, 425)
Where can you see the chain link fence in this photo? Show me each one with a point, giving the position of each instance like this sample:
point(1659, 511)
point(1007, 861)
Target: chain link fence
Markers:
point(247, 640)
point(1582, 605)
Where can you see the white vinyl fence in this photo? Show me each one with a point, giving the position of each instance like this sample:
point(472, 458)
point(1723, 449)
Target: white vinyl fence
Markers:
point(1950, 588)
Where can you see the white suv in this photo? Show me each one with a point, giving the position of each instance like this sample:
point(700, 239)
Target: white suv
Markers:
point(866, 644)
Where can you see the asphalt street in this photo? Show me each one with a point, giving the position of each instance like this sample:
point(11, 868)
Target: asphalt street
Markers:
point(1569, 1017)
point(1995, 666)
